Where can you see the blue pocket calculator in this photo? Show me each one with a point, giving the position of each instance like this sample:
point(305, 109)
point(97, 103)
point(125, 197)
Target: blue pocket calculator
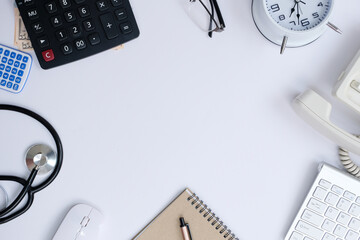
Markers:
point(15, 67)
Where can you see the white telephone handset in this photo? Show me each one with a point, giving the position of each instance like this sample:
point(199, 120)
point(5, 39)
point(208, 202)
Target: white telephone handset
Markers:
point(316, 111)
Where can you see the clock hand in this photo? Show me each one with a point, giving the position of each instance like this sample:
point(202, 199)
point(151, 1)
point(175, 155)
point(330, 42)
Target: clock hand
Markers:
point(293, 9)
point(298, 14)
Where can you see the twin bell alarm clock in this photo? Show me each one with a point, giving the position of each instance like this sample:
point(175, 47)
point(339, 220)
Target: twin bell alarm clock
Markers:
point(292, 23)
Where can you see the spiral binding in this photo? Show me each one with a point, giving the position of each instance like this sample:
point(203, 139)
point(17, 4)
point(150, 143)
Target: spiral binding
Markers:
point(211, 217)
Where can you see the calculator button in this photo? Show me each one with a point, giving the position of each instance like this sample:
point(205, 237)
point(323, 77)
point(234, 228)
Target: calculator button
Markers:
point(7, 53)
point(126, 28)
point(18, 57)
point(70, 16)
point(4, 59)
point(7, 69)
point(37, 27)
point(102, 5)
point(120, 14)
point(2, 66)
point(16, 87)
point(61, 35)
point(84, 11)
point(56, 21)
point(23, 66)
point(109, 26)
point(6, 76)
point(116, 3)
point(20, 73)
point(65, 3)
point(94, 39)
point(9, 84)
point(33, 14)
point(51, 7)
point(66, 49)
point(88, 25)
point(17, 79)
point(14, 71)
point(75, 31)
point(13, 55)
point(29, 2)
point(25, 59)
point(3, 83)
point(48, 55)
point(11, 62)
point(12, 78)
point(43, 42)
point(80, 44)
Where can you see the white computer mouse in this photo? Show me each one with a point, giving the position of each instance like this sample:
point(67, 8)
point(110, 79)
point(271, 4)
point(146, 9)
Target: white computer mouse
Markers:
point(82, 222)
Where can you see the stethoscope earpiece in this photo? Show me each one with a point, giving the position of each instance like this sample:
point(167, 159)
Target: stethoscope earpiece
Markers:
point(40, 156)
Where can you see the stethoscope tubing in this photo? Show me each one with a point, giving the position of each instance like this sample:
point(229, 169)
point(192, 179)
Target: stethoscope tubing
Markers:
point(27, 188)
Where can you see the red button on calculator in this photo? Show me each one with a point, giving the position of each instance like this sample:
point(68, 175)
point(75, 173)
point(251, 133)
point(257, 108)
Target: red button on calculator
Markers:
point(48, 55)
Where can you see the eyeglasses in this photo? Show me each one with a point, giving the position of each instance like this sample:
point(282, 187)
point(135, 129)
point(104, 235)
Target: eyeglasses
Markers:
point(204, 14)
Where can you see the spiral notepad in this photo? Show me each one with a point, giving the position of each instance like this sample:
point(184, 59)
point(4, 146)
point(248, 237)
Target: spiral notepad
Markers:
point(204, 224)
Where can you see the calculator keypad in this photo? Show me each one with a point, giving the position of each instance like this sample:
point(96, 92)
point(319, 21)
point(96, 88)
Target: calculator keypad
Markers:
point(14, 69)
point(63, 31)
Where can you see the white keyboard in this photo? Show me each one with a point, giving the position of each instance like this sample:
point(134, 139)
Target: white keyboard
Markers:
point(331, 210)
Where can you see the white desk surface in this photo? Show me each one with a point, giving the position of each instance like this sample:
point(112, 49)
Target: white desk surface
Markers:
point(176, 109)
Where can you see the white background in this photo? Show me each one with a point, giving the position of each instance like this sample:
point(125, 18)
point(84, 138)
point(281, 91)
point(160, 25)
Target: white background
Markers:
point(177, 109)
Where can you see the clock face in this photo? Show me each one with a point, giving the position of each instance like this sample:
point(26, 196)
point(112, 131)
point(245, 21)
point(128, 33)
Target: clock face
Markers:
point(298, 15)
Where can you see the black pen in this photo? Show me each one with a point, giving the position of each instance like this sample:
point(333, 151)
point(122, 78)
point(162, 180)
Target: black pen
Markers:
point(185, 229)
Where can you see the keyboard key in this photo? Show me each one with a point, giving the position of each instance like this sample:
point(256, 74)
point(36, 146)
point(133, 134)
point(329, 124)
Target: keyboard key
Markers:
point(296, 236)
point(320, 193)
point(51, 7)
point(349, 195)
point(8, 69)
point(324, 183)
point(33, 14)
point(18, 57)
point(312, 217)
point(1, 73)
point(6, 53)
point(14, 71)
point(84, 11)
point(66, 49)
point(2, 66)
point(328, 225)
point(56, 21)
point(343, 218)
point(354, 224)
point(48, 55)
point(1, 50)
point(340, 231)
point(4, 59)
point(16, 64)
point(338, 190)
point(5, 76)
point(309, 230)
point(70, 16)
point(126, 28)
point(102, 5)
point(3, 83)
point(75, 31)
point(357, 200)
point(61, 35)
point(17, 79)
point(331, 213)
point(9, 84)
point(16, 87)
point(23, 66)
point(80, 44)
point(94, 39)
point(89, 25)
point(328, 236)
point(116, 3)
point(65, 3)
point(120, 14)
point(25, 59)
point(109, 26)
point(20, 73)
point(12, 55)
point(11, 62)
point(351, 235)
point(331, 198)
point(317, 206)
point(354, 210)
point(343, 204)
point(37, 28)
point(12, 78)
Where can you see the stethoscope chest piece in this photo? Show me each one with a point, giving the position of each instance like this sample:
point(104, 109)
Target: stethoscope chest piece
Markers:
point(41, 156)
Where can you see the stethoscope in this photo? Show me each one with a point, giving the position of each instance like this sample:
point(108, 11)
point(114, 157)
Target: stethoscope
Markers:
point(40, 159)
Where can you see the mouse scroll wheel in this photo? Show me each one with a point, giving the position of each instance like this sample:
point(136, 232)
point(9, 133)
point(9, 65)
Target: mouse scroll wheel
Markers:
point(85, 221)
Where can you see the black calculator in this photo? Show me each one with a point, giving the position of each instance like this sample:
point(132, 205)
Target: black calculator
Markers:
point(63, 31)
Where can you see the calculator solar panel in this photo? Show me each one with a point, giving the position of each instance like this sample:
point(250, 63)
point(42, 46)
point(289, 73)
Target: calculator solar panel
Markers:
point(63, 31)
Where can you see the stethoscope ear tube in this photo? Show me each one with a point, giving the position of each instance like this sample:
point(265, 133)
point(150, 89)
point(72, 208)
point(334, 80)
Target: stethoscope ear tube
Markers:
point(27, 188)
